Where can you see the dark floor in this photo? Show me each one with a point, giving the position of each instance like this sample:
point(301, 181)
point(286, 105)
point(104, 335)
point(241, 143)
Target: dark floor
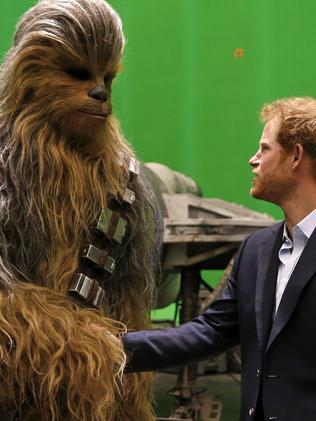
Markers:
point(224, 386)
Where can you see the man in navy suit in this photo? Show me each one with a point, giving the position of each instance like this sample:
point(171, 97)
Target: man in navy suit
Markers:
point(269, 304)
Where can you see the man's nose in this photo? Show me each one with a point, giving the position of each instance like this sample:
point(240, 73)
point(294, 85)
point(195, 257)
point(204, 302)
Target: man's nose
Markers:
point(254, 160)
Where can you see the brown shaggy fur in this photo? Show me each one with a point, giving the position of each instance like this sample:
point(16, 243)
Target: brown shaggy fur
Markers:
point(59, 165)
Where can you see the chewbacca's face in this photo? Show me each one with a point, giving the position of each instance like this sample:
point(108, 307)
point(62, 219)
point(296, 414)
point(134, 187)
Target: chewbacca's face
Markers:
point(92, 90)
point(85, 90)
point(66, 57)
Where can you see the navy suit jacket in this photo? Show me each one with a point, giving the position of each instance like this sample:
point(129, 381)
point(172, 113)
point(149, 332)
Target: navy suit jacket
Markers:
point(278, 356)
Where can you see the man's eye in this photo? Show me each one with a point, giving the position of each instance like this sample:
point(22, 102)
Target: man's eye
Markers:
point(79, 73)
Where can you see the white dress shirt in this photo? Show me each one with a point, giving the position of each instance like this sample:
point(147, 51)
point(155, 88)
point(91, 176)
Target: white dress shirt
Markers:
point(291, 251)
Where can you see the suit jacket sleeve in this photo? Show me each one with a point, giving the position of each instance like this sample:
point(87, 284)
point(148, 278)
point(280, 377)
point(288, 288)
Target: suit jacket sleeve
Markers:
point(213, 332)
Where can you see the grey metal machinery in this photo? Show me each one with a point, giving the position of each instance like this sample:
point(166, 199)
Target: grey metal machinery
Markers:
point(198, 234)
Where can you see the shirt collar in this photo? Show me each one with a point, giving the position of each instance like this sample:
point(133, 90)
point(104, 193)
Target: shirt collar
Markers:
point(286, 238)
point(306, 226)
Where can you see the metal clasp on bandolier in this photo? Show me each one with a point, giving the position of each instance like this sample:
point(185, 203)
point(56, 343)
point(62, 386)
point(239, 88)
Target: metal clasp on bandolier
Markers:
point(87, 289)
point(100, 257)
point(112, 225)
point(129, 196)
point(133, 168)
point(133, 172)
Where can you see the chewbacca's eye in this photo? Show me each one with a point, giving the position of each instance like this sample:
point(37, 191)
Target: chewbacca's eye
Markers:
point(79, 73)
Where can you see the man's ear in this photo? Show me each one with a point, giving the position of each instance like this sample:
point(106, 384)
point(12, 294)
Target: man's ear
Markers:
point(297, 155)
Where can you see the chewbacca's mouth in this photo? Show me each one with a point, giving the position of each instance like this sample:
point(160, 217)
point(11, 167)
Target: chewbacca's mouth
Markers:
point(94, 113)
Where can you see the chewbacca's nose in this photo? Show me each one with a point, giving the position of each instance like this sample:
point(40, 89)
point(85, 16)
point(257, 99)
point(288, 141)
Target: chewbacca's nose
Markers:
point(98, 93)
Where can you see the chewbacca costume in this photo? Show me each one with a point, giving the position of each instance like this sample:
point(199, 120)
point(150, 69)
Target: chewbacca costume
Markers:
point(76, 223)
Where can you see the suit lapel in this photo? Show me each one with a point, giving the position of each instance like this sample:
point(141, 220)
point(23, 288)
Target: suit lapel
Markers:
point(304, 270)
point(266, 280)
